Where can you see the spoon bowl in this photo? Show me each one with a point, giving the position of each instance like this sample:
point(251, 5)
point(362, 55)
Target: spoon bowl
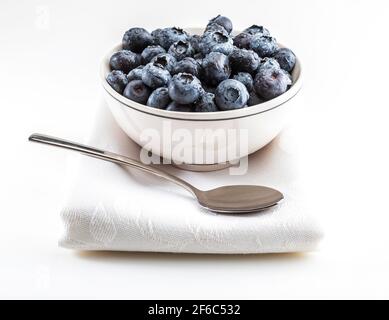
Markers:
point(239, 198)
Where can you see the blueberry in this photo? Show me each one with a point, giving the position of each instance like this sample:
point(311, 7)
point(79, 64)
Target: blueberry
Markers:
point(137, 91)
point(156, 33)
point(268, 63)
point(243, 60)
point(216, 68)
point(117, 80)
point(181, 49)
point(174, 106)
point(124, 60)
point(162, 69)
point(209, 89)
point(265, 46)
point(254, 29)
point(230, 95)
point(195, 42)
point(216, 42)
point(270, 83)
point(222, 21)
point(150, 52)
point(159, 98)
point(206, 103)
point(246, 79)
point(187, 65)
point(155, 75)
point(243, 40)
point(213, 27)
point(198, 56)
point(135, 74)
point(137, 39)
point(166, 37)
point(254, 99)
point(166, 60)
point(286, 59)
point(184, 88)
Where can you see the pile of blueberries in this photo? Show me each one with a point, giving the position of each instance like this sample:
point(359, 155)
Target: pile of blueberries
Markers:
point(172, 70)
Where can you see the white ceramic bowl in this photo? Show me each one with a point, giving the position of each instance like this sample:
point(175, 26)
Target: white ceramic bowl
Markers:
point(171, 135)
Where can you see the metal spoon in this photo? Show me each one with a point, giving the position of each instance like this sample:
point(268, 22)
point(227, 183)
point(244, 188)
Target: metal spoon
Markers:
point(229, 199)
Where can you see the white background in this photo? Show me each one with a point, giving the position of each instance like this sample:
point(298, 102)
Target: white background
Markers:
point(49, 57)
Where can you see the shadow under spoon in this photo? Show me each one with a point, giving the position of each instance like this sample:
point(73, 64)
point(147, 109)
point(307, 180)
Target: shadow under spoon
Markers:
point(235, 199)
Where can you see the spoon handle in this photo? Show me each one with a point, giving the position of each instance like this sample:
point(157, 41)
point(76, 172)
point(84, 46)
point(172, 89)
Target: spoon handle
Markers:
point(109, 156)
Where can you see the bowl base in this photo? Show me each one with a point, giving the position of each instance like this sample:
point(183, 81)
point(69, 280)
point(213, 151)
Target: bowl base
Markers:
point(203, 167)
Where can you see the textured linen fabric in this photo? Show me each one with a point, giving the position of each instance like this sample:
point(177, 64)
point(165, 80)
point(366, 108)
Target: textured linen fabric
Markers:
point(110, 207)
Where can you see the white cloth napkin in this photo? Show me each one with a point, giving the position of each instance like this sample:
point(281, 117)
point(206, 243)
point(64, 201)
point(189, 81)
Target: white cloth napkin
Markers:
point(115, 208)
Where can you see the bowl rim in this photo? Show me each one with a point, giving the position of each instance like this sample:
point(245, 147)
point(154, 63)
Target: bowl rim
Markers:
point(202, 116)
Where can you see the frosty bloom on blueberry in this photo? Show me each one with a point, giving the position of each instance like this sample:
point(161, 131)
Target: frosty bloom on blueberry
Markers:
point(264, 46)
point(125, 61)
point(217, 70)
point(286, 59)
point(150, 52)
point(206, 103)
point(216, 42)
point(155, 75)
point(136, 39)
point(270, 83)
point(268, 63)
point(195, 42)
point(135, 74)
point(231, 94)
point(243, 60)
point(185, 88)
point(246, 79)
point(222, 21)
point(166, 37)
point(137, 91)
point(187, 65)
point(214, 27)
point(243, 40)
point(166, 60)
point(159, 98)
point(254, 29)
point(117, 80)
point(181, 49)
